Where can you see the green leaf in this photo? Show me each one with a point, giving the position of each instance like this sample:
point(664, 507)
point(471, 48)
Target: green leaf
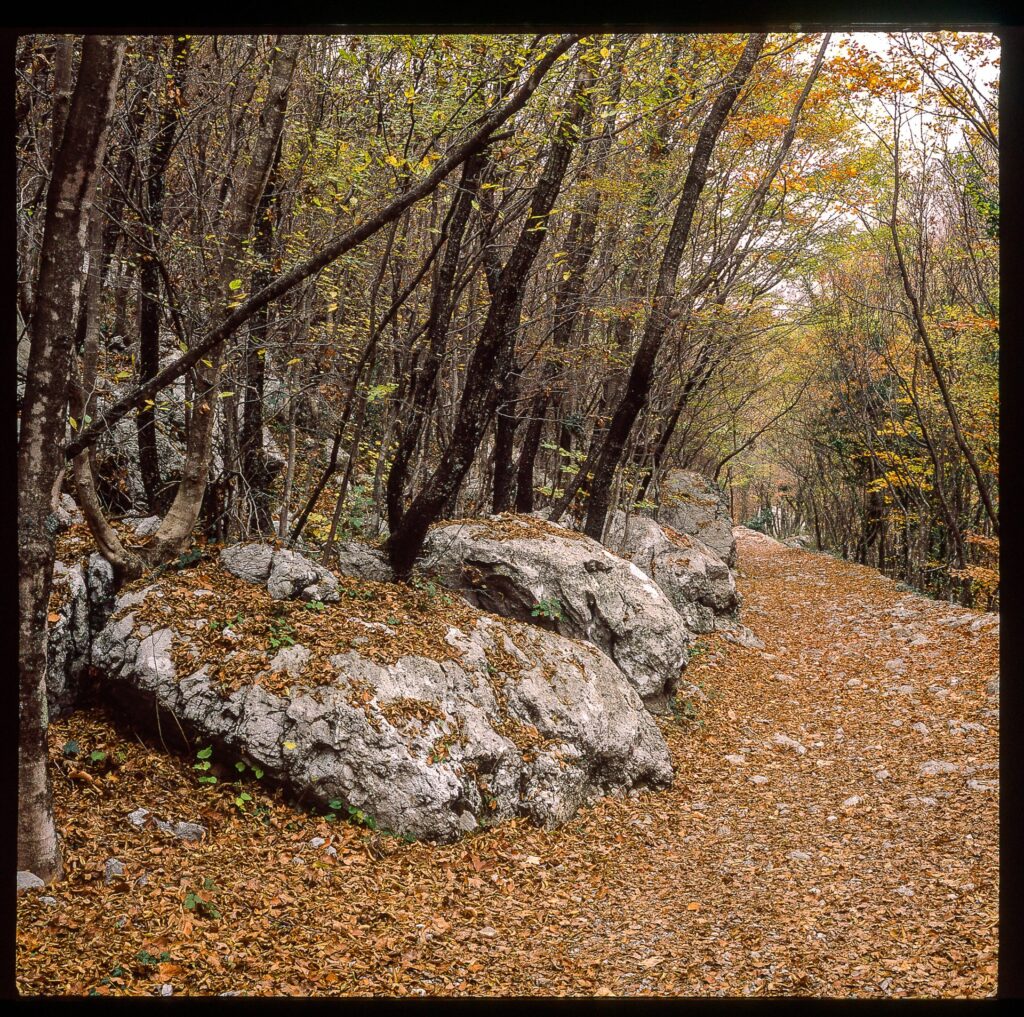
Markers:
point(71, 749)
point(235, 284)
point(97, 756)
point(240, 766)
point(205, 753)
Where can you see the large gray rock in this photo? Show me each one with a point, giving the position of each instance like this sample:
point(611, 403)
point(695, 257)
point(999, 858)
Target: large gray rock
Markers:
point(699, 584)
point(361, 561)
point(513, 721)
point(286, 574)
point(693, 504)
point(525, 568)
point(85, 591)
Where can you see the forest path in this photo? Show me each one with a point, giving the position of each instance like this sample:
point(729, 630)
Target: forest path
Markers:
point(840, 870)
point(845, 869)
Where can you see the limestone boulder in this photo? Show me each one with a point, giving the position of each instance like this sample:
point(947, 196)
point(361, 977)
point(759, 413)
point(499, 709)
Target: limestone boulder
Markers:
point(538, 572)
point(285, 574)
point(497, 719)
point(361, 561)
point(83, 597)
point(695, 579)
point(693, 504)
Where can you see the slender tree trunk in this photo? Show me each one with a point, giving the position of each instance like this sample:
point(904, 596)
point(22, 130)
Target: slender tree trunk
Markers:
point(442, 306)
point(176, 529)
point(289, 476)
point(125, 563)
point(492, 357)
point(255, 477)
point(150, 307)
point(41, 440)
point(660, 317)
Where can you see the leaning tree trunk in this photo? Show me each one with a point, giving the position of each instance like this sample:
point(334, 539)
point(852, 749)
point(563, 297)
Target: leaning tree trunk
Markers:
point(494, 350)
point(641, 374)
point(176, 529)
point(41, 442)
point(442, 306)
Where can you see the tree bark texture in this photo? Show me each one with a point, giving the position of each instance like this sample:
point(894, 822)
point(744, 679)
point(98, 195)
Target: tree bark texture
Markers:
point(41, 451)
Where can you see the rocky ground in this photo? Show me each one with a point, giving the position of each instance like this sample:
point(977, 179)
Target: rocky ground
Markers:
point(832, 831)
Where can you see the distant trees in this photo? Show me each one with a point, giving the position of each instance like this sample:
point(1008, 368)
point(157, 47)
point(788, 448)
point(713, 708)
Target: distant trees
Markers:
point(896, 460)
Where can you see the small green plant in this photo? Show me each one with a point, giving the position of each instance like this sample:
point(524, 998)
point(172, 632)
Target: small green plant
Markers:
point(189, 558)
point(431, 589)
point(360, 594)
point(699, 649)
point(361, 818)
point(203, 755)
point(219, 625)
point(280, 633)
point(196, 902)
point(358, 816)
point(549, 607)
point(317, 606)
point(71, 749)
point(686, 710)
point(149, 960)
point(427, 586)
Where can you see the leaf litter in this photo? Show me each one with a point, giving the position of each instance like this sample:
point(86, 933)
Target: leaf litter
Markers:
point(843, 871)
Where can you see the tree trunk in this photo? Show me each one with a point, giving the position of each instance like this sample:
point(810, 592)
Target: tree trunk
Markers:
point(149, 275)
point(176, 529)
point(494, 352)
point(41, 439)
point(256, 478)
point(660, 317)
point(441, 308)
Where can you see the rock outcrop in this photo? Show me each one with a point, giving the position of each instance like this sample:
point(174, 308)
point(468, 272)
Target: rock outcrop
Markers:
point(699, 584)
point(85, 595)
point(361, 561)
point(754, 535)
point(432, 723)
point(691, 503)
point(286, 574)
point(535, 571)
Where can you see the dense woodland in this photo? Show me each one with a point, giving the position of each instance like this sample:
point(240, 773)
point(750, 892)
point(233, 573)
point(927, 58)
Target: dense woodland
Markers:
point(311, 288)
